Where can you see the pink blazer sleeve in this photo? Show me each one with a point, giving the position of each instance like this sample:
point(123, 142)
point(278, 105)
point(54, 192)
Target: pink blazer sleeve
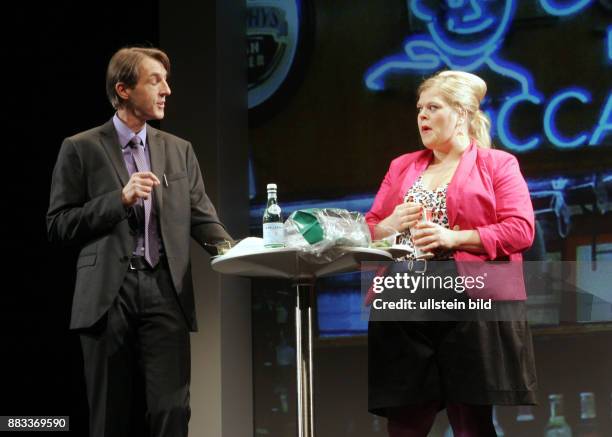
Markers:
point(379, 210)
point(514, 230)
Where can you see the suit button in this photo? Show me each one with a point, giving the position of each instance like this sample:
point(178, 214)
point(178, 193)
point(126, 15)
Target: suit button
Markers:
point(124, 259)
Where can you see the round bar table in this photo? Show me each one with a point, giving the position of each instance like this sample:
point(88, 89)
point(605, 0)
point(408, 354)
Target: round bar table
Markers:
point(286, 263)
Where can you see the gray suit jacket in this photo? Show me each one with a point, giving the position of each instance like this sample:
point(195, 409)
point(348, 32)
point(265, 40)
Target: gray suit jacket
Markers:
point(85, 209)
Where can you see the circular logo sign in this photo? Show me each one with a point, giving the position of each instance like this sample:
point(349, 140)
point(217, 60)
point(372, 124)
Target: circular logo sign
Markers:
point(276, 47)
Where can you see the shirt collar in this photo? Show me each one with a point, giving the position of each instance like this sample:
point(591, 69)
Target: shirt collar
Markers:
point(125, 133)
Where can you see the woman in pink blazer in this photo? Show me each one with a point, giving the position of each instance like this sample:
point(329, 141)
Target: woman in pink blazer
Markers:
point(481, 211)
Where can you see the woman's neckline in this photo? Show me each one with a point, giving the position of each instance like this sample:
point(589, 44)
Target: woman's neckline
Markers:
point(419, 181)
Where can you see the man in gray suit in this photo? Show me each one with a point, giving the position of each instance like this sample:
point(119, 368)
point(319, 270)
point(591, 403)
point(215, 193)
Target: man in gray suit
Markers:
point(131, 197)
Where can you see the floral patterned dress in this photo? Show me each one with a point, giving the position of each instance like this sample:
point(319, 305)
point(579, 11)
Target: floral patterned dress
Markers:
point(434, 200)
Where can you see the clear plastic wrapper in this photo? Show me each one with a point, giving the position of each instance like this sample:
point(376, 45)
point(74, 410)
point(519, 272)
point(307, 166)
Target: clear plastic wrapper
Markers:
point(322, 233)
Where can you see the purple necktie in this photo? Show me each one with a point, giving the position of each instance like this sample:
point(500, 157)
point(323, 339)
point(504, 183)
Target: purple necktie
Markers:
point(151, 244)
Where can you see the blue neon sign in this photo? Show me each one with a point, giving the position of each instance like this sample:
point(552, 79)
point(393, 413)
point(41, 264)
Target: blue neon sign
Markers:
point(467, 35)
point(550, 127)
point(566, 8)
point(605, 123)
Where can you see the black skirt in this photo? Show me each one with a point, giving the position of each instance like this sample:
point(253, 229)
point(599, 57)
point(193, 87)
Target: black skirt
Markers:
point(471, 362)
point(477, 363)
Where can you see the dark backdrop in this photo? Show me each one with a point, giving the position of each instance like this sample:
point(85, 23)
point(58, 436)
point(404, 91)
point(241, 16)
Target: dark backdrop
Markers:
point(55, 61)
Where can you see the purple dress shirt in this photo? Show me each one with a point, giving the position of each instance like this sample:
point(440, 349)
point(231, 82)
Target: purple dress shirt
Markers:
point(125, 134)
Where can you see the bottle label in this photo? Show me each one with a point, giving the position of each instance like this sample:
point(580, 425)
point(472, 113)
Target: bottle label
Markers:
point(274, 209)
point(274, 234)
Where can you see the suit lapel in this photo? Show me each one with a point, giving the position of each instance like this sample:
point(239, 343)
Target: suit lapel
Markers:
point(157, 150)
point(111, 144)
point(459, 178)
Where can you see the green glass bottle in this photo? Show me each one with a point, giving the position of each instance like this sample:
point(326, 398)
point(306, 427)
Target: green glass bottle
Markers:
point(557, 426)
point(273, 228)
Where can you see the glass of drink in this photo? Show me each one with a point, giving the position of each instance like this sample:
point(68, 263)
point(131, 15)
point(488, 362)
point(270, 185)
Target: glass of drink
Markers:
point(390, 239)
point(223, 247)
point(426, 216)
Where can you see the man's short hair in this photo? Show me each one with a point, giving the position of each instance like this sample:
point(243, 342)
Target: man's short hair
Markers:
point(124, 67)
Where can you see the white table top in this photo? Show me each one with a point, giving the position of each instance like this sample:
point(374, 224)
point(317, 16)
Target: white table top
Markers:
point(287, 263)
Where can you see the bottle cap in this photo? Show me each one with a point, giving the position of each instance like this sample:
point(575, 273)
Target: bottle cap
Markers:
point(271, 187)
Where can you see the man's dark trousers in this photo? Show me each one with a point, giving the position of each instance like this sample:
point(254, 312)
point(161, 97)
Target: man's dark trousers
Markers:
point(142, 339)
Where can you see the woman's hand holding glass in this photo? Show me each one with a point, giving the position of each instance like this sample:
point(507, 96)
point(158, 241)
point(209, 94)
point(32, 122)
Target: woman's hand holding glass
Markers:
point(432, 237)
point(404, 216)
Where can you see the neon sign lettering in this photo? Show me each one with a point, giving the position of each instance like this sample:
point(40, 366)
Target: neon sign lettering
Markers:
point(605, 123)
point(550, 127)
point(467, 36)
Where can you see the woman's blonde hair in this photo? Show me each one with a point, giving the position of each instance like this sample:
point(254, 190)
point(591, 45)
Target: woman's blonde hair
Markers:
point(464, 91)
